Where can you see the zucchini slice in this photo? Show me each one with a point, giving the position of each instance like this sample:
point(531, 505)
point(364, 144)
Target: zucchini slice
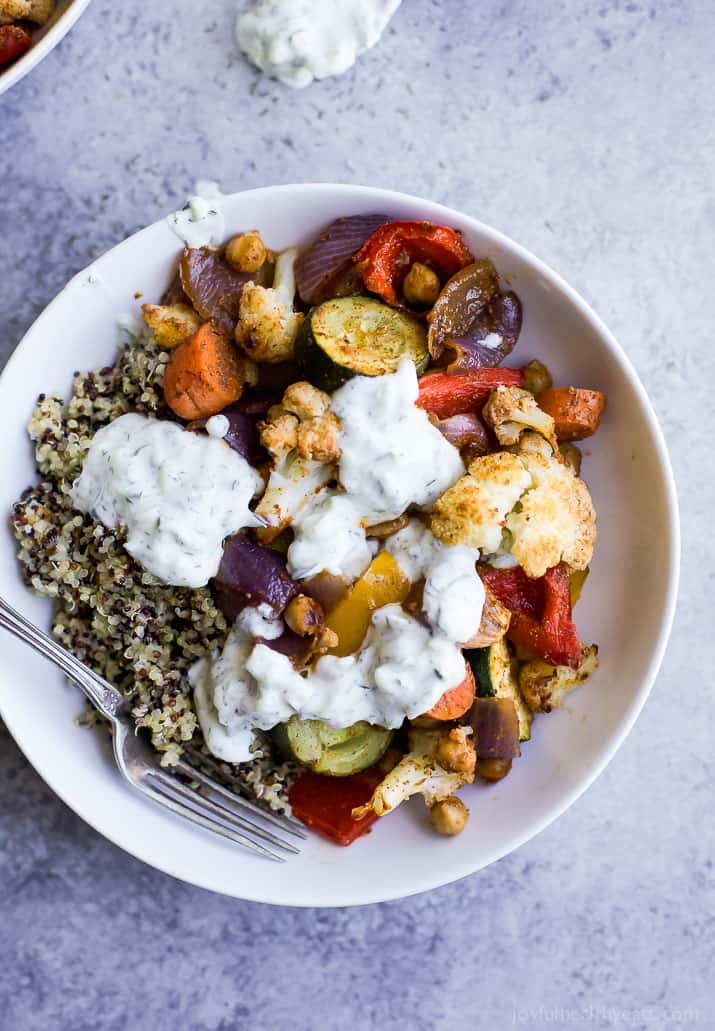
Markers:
point(494, 673)
point(335, 752)
point(357, 336)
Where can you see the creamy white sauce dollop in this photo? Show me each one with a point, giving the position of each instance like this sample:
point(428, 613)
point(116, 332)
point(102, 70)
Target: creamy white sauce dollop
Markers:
point(178, 493)
point(392, 455)
point(400, 672)
point(200, 223)
point(217, 426)
point(453, 596)
point(328, 536)
point(297, 41)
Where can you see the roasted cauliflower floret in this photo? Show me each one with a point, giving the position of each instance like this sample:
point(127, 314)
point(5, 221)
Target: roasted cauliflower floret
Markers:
point(171, 324)
point(510, 411)
point(305, 400)
point(555, 520)
point(303, 420)
point(318, 438)
point(280, 432)
point(544, 687)
point(420, 772)
point(474, 509)
point(267, 324)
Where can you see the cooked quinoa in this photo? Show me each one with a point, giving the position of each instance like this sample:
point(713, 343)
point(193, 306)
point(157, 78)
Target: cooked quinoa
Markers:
point(135, 631)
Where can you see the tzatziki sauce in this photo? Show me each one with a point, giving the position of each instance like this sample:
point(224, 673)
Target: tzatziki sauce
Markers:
point(217, 426)
point(298, 41)
point(328, 536)
point(392, 455)
point(200, 223)
point(453, 596)
point(177, 493)
point(400, 672)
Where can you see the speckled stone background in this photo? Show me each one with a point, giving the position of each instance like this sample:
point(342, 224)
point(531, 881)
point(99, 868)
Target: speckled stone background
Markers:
point(585, 130)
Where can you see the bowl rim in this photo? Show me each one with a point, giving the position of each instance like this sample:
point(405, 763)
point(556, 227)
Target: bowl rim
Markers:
point(44, 45)
point(353, 896)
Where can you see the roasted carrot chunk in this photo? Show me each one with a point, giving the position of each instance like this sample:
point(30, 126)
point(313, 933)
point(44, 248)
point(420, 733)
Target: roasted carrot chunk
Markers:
point(576, 412)
point(455, 702)
point(204, 375)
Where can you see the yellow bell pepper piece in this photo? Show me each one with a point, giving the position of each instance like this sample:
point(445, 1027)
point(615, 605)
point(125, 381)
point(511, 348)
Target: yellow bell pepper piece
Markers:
point(577, 578)
point(382, 583)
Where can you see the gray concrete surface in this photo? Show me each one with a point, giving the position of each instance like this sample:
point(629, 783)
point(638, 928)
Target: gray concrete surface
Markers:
point(584, 130)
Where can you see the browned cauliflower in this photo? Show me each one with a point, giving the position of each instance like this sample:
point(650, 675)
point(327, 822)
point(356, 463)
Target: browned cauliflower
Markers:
point(303, 420)
point(305, 400)
point(545, 687)
point(422, 772)
point(555, 519)
point(510, 411)
point(267, 324)
point(474, 509)
point(279, 432)
point(301, 434)
point(171, 324)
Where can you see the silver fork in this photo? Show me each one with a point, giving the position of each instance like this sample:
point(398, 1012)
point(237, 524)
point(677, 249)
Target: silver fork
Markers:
point(183, 789)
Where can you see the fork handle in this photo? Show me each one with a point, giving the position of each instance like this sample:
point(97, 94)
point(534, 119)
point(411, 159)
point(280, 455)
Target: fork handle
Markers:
point(110, 702)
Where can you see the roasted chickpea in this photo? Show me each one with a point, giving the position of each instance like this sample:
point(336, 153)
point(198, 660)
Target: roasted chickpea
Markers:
point(449, 816)
point(455, 753)
point(536, 377)
point(421, 286)
point(493, 769)
point(245, 252)
point(305, 615)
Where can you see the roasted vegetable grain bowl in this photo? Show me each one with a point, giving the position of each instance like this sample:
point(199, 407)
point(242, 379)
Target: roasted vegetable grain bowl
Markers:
point(625, 606)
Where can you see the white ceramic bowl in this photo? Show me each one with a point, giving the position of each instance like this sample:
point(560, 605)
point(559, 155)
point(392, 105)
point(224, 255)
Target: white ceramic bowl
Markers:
point(627, 605)
point(43, 40)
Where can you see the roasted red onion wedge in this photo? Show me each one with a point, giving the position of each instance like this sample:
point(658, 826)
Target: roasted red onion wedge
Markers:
point(212, 286)
point(492, 336)
point(325, 263)
point(251, 574)
point(463, 298)
point(473, 325)
point(174, 293)
point(290, 644)
point(466, 431)
point(326, 588)
point(496, 728)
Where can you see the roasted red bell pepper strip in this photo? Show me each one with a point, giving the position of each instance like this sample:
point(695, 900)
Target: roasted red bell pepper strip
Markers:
point(386, 256)
point(326, 803)
point(445, 393)
point(14, 41)
point(541, 621)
